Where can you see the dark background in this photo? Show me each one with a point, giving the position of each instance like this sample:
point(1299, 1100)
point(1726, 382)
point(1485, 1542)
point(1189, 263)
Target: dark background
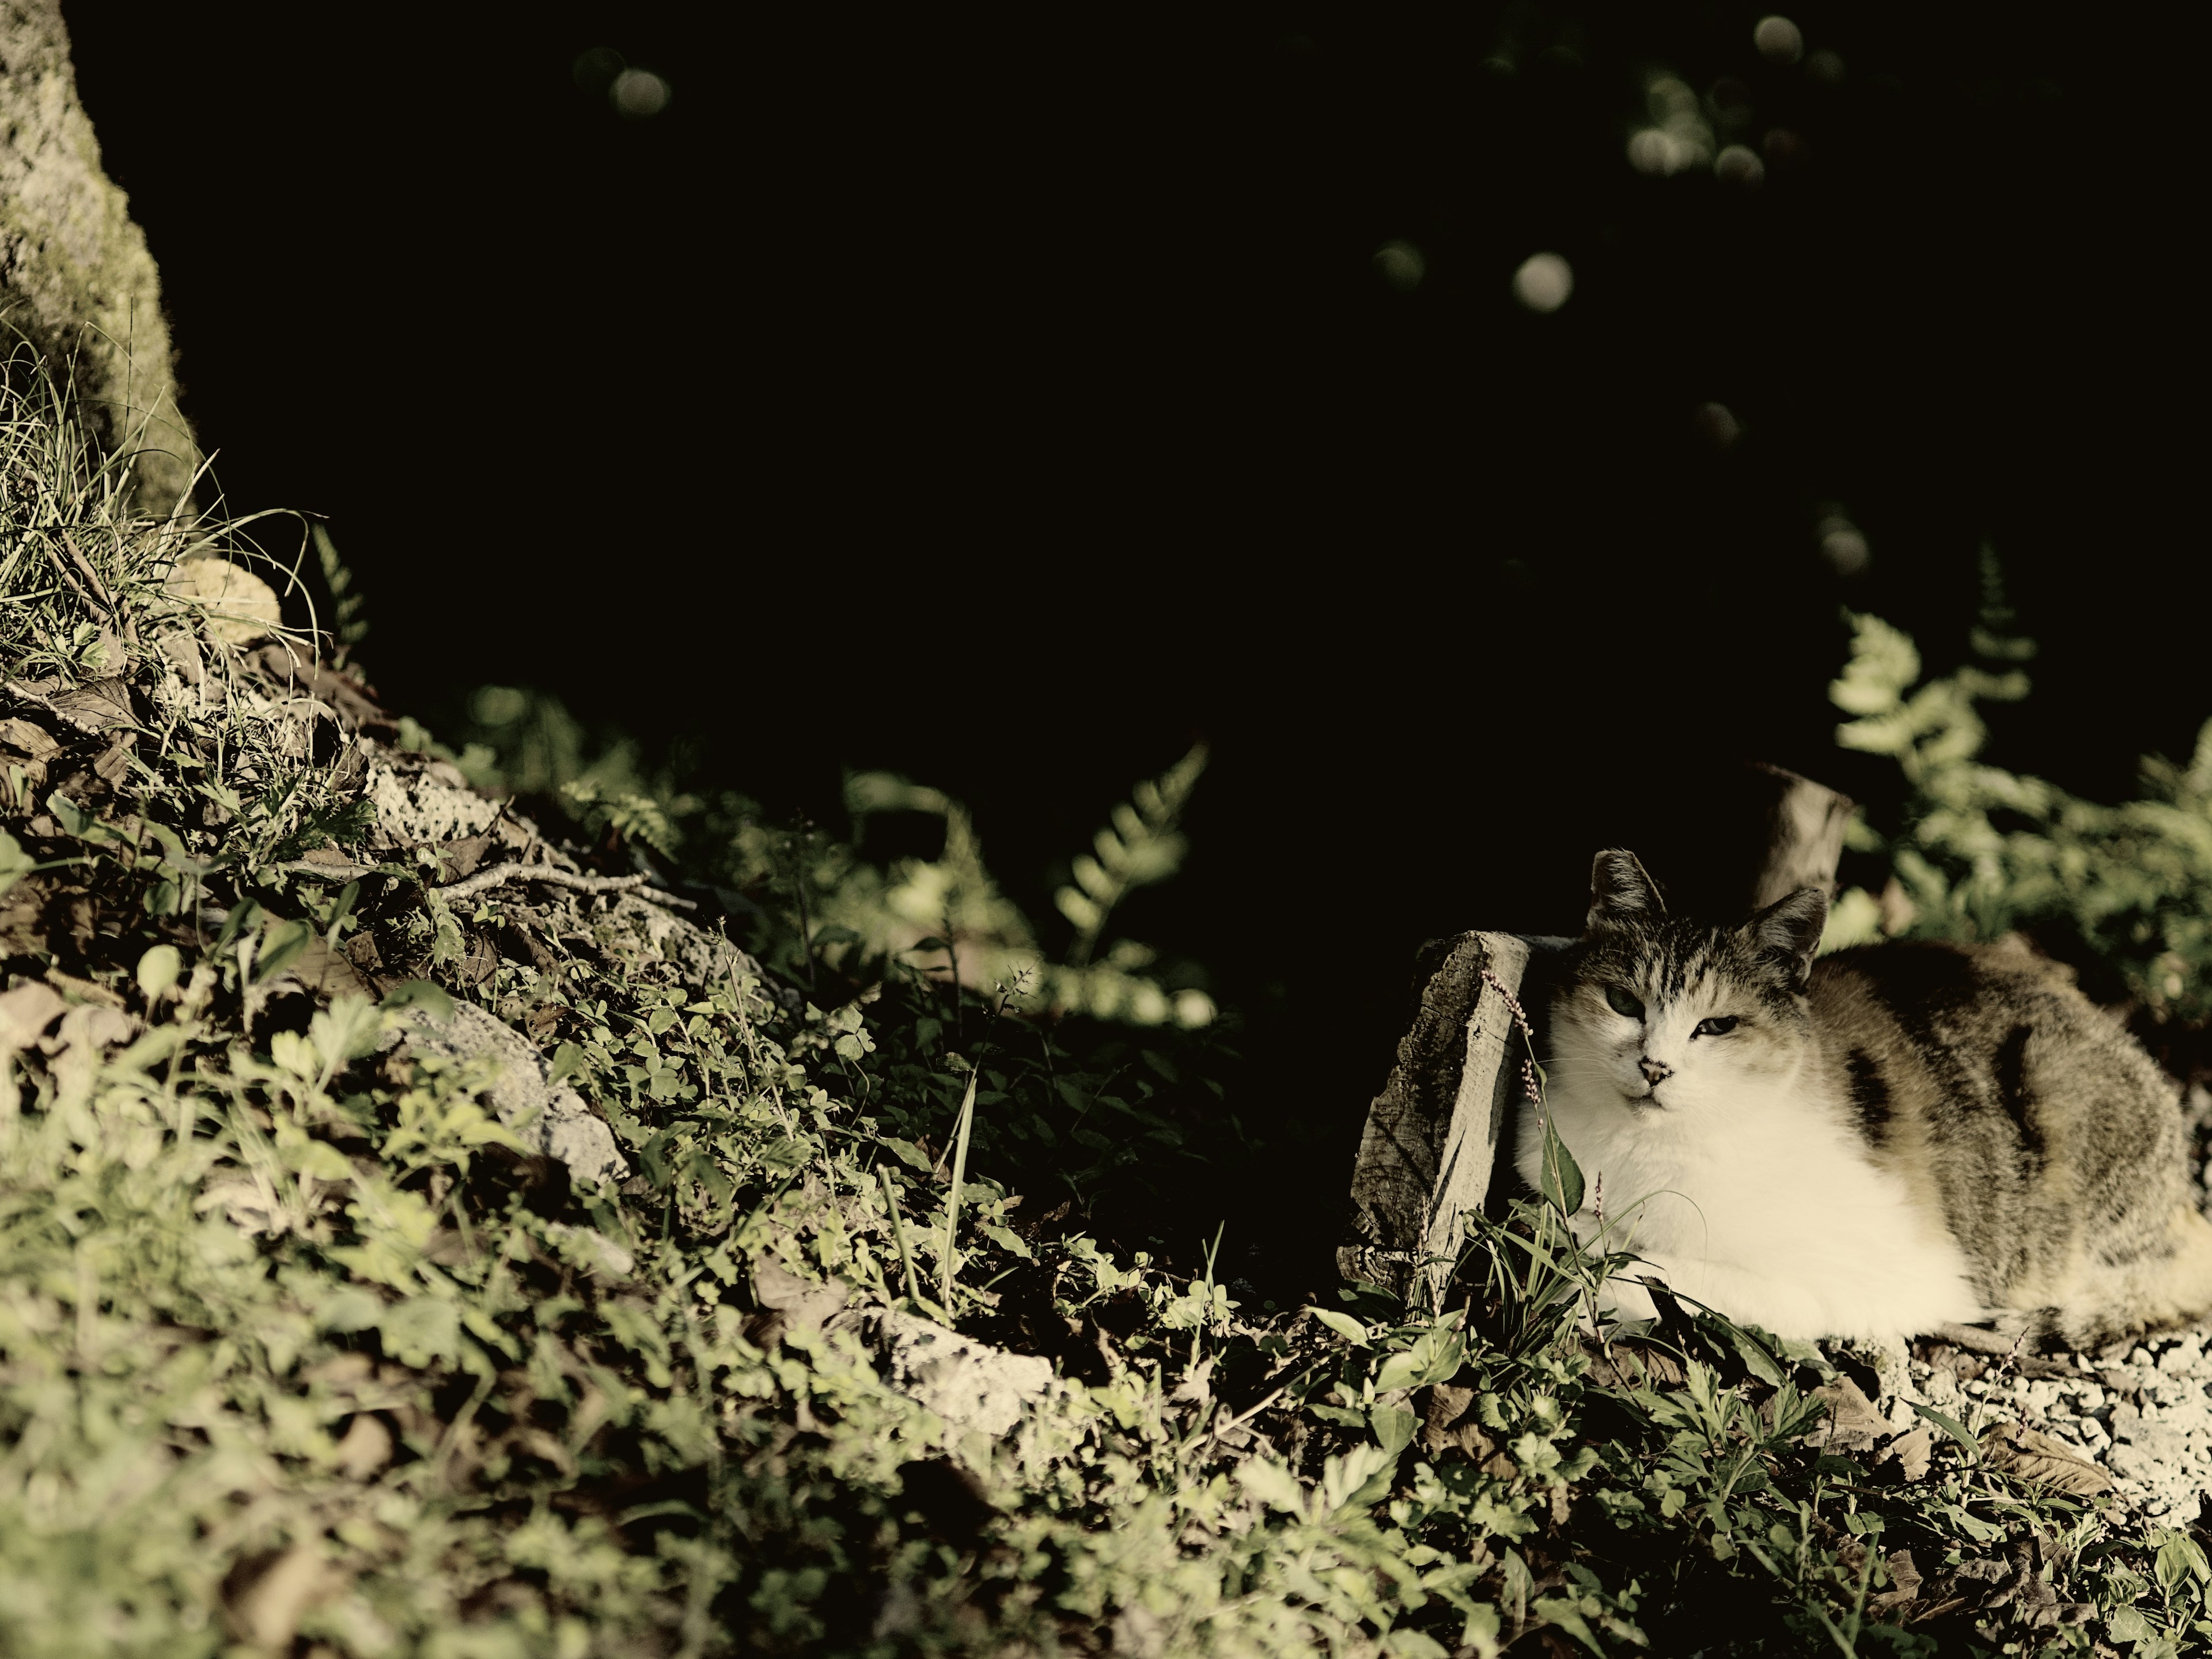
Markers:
point(1008, 403)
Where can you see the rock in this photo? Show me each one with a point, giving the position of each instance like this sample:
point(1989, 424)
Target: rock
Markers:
point(415, 807)
point(25, 1013)
point(2160, 1442)
point(551, 1117)
point(239, 607)
point(970, 1384)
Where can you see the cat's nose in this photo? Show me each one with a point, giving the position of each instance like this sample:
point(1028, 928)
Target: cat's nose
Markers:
point(1655, 1073)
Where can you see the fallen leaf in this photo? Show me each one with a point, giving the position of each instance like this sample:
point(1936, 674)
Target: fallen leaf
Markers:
point(324, 972)
point(1904, 1584)
point(1853, 1424)
point(2030, 1455)
point(1911, 1453)
point(350, 700)
point(100, 706)
point(26, 739)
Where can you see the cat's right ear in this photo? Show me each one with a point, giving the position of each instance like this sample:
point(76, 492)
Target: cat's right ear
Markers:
point(1620, 891)
point(1788, 931)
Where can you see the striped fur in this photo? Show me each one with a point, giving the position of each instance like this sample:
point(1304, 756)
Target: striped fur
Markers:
point(1870, 1145)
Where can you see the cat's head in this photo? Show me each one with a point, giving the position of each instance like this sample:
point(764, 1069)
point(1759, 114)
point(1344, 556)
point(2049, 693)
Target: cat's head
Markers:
point(1666, 1012)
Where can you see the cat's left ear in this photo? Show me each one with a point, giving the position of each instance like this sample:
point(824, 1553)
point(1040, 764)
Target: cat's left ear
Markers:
point(1788, 931)
point(1621, 890)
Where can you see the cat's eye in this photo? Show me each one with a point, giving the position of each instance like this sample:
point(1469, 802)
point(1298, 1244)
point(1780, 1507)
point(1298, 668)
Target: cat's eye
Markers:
point(1718, 1025)
point(1623, 1004)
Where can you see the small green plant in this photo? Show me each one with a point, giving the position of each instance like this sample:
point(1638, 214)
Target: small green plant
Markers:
point(1979, 852)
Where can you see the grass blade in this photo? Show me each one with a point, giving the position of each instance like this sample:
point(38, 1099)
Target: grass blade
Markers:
point(898, 1236)
point(952, 1202)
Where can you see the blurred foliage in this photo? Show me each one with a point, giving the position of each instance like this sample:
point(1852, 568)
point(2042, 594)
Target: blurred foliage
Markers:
point(803, 899)
point(1980, 851)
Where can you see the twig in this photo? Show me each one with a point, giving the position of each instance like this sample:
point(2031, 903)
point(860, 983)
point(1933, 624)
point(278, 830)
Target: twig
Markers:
point(484, 880)
point(334, 872)
point(499, 873)
point(1298, 1376)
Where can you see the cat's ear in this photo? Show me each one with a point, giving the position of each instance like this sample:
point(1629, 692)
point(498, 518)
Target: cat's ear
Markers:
point(1787, 933)
point(1620, 891)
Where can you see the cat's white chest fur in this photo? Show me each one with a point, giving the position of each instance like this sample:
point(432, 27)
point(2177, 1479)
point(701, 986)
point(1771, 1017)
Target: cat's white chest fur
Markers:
point(1768, 1211)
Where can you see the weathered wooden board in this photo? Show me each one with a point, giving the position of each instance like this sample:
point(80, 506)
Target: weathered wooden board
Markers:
point(1431, 1135)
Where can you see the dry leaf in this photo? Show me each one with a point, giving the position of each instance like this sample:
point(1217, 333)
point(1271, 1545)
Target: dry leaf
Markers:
point(1904, 1584)
point(2030, 1455)
point(27, 739)
point(324, 972)
point(1911, 1452)
point(97, 706)
point(1853, 1424)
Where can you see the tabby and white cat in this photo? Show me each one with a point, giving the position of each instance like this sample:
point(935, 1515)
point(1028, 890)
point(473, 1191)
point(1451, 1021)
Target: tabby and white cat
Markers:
point(1873, 1145)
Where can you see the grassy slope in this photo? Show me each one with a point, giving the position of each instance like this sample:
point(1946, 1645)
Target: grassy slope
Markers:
point(302, 1350)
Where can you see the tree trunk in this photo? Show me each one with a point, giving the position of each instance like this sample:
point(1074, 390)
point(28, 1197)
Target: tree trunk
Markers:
point(77, 281)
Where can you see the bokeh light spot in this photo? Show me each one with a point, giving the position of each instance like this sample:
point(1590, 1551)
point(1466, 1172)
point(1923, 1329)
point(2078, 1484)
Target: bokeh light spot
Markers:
point(1843, 545)
point(1737, 165)
point(1778, 40)
point(637, 93)
point(1402, 265)
point(1717, 424)
point(1680, 138)
point(1825, 66)
point(1543, 281)
point(595, 70)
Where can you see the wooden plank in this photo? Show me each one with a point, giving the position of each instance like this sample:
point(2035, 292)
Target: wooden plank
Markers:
point(1805, 825)
point(1431, 1135)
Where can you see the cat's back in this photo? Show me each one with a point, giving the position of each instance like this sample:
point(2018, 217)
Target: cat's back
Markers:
point(1978, 1021)
point(1985, 1078)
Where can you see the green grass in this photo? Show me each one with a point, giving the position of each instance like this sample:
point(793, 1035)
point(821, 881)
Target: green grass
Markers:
point(301, 1352)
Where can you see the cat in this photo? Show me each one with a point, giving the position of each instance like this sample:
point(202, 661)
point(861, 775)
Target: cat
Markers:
point(1875, 1145)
